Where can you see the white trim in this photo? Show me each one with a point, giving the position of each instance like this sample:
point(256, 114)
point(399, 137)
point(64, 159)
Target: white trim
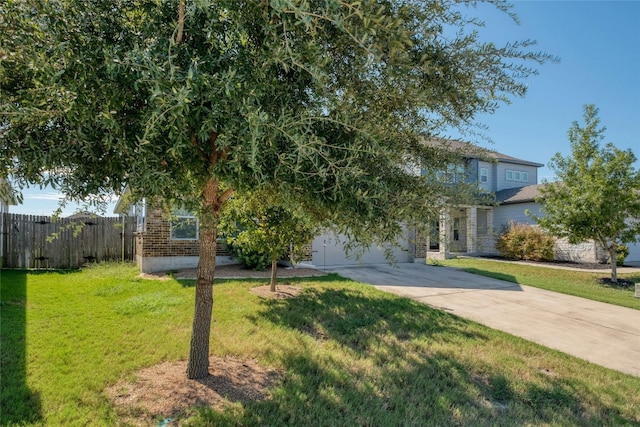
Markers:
point(484, 174)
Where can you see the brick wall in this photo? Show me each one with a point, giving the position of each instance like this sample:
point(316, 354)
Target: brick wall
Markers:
point(156, 241)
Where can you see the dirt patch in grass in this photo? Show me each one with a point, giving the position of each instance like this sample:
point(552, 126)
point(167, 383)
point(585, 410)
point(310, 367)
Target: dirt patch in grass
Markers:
point(163, 391)
point(282, 291)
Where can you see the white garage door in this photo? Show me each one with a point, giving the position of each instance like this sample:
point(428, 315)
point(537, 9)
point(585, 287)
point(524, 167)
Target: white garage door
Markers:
point(634, 255)
point(328, 250)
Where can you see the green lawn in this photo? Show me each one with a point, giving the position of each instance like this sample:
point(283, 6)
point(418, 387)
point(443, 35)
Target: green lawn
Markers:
point(351, 355)
point(577, 283)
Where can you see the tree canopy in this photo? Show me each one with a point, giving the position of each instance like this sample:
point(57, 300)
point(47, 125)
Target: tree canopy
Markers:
point(187, 101)
point(268, 223)
point(597, 196)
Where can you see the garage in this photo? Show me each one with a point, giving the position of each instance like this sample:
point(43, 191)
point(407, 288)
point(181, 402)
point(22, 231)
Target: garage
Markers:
point(634, 255)
point(328, 250)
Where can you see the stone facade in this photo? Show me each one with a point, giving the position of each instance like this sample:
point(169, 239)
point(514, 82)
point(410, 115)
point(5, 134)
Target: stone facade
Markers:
point(581, 252)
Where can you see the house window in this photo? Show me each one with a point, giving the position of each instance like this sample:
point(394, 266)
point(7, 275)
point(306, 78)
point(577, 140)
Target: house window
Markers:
point(512, 175)
point(140, 211)
point(456, 229)
point(484, 174)
point(482, 221)
point(184, 226)
point(434, 236)
point(454, 173)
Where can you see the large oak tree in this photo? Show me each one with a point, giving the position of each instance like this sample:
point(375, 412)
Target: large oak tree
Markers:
point(329, 100)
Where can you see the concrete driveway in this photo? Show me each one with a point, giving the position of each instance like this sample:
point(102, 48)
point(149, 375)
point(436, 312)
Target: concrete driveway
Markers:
point(601, 333)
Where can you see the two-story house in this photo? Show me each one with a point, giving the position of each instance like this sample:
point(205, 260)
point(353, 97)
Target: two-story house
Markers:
point(472, 229)
point(168, 243)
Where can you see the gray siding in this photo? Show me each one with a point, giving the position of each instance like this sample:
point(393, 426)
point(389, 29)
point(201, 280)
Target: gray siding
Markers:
point(516, 212)
point(490, 185)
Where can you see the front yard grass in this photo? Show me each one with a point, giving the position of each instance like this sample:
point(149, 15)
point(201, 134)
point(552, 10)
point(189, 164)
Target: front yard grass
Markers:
point(351, 355)
point(577, 283)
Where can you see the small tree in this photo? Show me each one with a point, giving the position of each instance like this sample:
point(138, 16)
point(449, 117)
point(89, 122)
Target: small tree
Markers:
point(598, 195)
point(269, 223)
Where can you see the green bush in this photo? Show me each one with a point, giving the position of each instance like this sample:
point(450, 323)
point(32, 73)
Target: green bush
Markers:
point(248, 258)
point(621, 253)
point(525, 242)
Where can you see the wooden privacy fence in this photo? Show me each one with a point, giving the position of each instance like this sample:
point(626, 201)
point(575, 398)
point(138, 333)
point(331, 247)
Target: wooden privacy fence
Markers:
point(43, 242)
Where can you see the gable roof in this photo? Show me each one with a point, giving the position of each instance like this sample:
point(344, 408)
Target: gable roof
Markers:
point(526, 194)
point(474, 151)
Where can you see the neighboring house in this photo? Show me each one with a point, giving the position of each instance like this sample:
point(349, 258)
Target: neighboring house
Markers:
point(7, 195)
point(169, 242)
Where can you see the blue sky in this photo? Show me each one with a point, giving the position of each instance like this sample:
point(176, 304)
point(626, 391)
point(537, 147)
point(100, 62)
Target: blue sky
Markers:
point(598, 43)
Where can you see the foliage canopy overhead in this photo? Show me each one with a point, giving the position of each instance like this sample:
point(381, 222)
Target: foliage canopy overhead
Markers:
point(328, 97)
point(189, 101)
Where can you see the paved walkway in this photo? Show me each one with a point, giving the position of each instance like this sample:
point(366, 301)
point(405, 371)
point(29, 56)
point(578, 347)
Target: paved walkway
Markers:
point(601, 333)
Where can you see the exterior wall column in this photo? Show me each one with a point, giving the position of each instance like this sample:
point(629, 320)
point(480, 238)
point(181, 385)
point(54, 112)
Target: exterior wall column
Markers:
point(489, 245)
point(445, 224)
point(472, 230)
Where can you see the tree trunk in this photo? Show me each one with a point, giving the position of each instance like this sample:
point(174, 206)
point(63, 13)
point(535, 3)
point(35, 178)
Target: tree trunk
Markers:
point(198, 365)
point(613, 254)
point(274, 274)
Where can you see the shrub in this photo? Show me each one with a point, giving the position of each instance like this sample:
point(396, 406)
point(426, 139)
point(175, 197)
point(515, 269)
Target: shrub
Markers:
point(621, 253)
point(249, 258)
point(526, 242)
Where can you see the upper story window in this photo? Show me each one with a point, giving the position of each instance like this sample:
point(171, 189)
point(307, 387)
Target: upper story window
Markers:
point(484, 175)
point(184, 225)
point(513, 175)
point(454, 173)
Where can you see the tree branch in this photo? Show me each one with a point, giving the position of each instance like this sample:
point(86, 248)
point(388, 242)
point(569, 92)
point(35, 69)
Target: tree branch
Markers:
point(225, 196)
point(180, 21)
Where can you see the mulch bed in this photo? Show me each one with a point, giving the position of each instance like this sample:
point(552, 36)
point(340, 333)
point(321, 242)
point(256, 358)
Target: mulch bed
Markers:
point(162, 394)
point(621, 283)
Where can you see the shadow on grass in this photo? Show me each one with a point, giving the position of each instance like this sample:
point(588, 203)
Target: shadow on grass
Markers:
point(330, 277)
point(366, 359)
point(633, 277)
point(19, 404)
